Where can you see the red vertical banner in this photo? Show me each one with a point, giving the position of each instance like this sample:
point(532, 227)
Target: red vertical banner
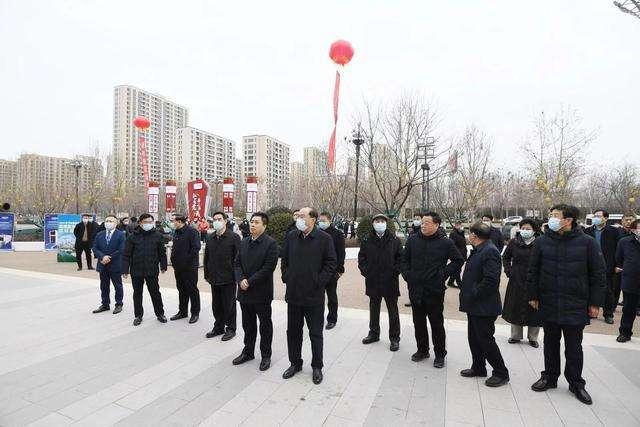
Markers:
point(198, 198)
point(252, 195)
point(144, 158)
point(153, 193)
point(170, 190)
point(332, 141)
point(228, 188)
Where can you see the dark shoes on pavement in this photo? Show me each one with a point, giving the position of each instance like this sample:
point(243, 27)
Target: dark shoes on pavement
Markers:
point(470, 373)
point(544, 384)
point(609, 320)
point(370, 338)
point(291, 371)
point(621, 338)
point(419, 355)
point(161, 318)
point(439, 362)
point(228, 335)
point(101, 309)
point(394, 346)
point(214, 333)
point(581, 394)
point(513, 341)
point(317, 375)
point(495, 381)
point(244, 357)
point(534, 344)
point(330, 325)
point(194, 318)
point(265, 363)
point(178, 316)
point(118, 309)
point(407, 304)
point(137, 321)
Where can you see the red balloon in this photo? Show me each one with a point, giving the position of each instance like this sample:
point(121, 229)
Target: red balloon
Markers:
point(141, 122)
point(341, 52)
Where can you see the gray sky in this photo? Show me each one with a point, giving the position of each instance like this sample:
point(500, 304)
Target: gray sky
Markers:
point(263, 67)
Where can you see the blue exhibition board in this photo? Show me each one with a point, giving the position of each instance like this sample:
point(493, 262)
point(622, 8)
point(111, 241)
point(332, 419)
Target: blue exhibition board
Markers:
point(7, 227)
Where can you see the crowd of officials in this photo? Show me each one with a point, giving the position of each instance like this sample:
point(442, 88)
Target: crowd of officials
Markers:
point(559, 276)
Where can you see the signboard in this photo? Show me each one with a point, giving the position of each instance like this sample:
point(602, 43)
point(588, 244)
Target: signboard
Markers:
point(7, 227)
point(170, 198)
point(154, 199)
point(65, 239)
point(51, 232)
point(252, 195)
point(228, 189)
point(198, 199)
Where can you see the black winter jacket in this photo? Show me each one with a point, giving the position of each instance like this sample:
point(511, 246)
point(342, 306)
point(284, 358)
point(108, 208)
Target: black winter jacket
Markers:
point(424, 264)
point(628, 259)
point(515, 259)
point(185, 251)
point(308, 264)
point(379, 262)
point(144, 254)
point(479, 291)
point(256, 261)
point(608, 244)
point(497, 238)
point(460, 241)
point(338, 245)
point(78, 232)
point(220, 254)
point(566, 275)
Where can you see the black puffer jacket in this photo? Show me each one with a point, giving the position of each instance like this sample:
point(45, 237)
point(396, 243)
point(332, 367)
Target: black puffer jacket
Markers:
point(515, 259)
point(479, 291)
point(256, 261)
point(608, 244)
point(185, 251)
point(379, 262)
point(220, 256)
point(339, 246)
point(460, 241)
point(628, 259)
point(424, 264)
point(144, 254)
point(566, 275)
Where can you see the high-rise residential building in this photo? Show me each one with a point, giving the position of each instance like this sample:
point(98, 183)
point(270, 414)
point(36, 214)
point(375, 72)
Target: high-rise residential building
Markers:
point(57, 173)
point(239, 176)
point(203, 155)
point(267, 159)
point(315, 162)
point(8, 176)
point(165, 116)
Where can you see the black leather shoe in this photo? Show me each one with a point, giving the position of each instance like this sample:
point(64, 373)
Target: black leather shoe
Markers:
point(228, 335)
point(101, 309)
point(118, 309)
point(137, 321)
point(370, 338)
point(330, 325)
point(609, 321)
point(470, 373)
point(419, 355)
point(79, 269)
point(513, 341)
point(162, 319)
point(244, 357)
point(178, 316)
point(621, 338)
point(394, 346)
point(90, 268)
point(495, 381)
point(194, 318)
point(291, 371)
point(317, 375)
point(214, 333)
point(534, 344)
point(581, 394)
point(544, 384)
point(265, 363)
point(439, 362)
point(407, 304)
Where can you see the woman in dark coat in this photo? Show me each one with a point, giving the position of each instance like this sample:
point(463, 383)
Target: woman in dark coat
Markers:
point(517, 310)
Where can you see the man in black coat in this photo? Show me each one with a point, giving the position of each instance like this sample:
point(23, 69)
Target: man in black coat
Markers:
point(219, 260)
point(325, 224)
point(425, 269)
point(254, 268)
point(144, 252)
point(379, 262)
point(480, 299)
point(308, 264)
point(185, 259)
point(496, 234)
point(606, 237)
point(566, 282)
point(628, 266)
point(459, 239)
point(84, 231)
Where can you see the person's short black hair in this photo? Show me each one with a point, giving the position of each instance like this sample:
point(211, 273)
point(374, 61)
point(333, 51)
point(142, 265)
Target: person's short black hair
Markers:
point(568, 211)
point(144, 216)
point(313, 213)
point(263, 216)
point(86, 215)
point(134, 219)
point(327, 214)
point(111, 216)
point(605, 214)
point(224, 215)
point(180, 217)
point(532, 222)
point(488, 215)
point(482, 230)
point(435, 216)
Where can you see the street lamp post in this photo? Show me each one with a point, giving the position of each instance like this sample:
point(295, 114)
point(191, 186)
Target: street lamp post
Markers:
point(426, 153)
point(357, 140)
point(77, 165)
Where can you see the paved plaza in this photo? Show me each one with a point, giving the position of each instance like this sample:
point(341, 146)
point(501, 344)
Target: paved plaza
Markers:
point(62, 365)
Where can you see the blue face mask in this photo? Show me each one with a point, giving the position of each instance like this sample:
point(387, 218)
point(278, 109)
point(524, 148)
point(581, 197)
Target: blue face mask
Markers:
point(554, 224)
point(147, 227)
point(324, 225)
point(301, 224)
point(596, 220)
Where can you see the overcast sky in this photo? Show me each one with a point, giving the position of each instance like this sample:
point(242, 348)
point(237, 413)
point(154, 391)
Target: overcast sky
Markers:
point(262, 67)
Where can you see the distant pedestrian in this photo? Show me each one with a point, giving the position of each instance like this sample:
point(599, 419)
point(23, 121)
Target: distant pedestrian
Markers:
point(84, 232)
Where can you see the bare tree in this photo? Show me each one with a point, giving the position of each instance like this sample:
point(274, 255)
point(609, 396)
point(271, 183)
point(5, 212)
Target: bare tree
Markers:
point(631, 7)
point(475, 150)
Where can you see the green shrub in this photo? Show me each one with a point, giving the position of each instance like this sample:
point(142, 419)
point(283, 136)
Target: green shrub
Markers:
point(279, 209)
point(278, 224)
point(365, 226)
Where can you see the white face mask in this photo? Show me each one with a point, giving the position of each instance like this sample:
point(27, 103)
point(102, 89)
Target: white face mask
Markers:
point(110, 225)
point(218, 225)
point(526, 234)
point(147, 226)
point(417, 223)
point(301, 224)
point(85, 220)
point(380, 227)
point(324, 225)
point(487, 223)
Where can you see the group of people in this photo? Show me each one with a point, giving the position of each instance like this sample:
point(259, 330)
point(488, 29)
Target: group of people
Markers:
point(558, 280)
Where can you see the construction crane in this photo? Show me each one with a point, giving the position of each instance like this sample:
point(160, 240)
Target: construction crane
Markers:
point(631, 7)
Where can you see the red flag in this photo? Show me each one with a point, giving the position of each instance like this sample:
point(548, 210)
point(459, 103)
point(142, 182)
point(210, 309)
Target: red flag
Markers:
point(332, 141)
point(144, 159)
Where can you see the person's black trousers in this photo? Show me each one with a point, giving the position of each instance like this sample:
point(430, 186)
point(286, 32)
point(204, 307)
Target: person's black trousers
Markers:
point(187, 284)
point(154, 292)
point(617, 279)
point(609, 303)
point(106, 278)
point(629, 310)
point(572, 352)
point(332, 300)
point(480, 331)
point(86, 248)
point(432, 307)
point(296, 316)
point(249, 314)
point(223, 302)
point(394, 317)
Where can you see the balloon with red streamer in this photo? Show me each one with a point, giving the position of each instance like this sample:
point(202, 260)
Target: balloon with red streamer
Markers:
point(341, 52)
point(142, 124)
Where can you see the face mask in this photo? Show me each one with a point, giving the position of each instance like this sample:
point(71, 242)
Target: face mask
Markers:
point(85, 220)
point(554, 224)
point(109, 225)
point(147, 227)
point(487, 223)
point(417, 223)
point(380, 227)
point(526, 234)
point(218, 225)
point(324, 225)
point(301, 224)
point(596, 220)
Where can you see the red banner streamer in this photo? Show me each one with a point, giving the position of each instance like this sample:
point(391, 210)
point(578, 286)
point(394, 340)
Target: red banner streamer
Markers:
point(332, 141)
